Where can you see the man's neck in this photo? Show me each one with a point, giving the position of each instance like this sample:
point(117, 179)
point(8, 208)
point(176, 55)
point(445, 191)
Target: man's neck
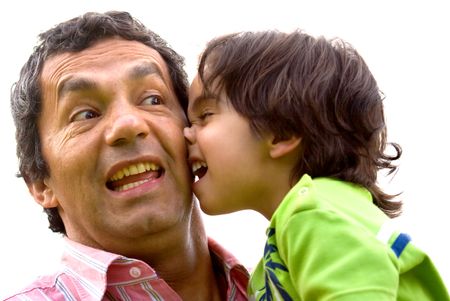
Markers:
point(180, 256)
point(188, 267)
point(197, 280)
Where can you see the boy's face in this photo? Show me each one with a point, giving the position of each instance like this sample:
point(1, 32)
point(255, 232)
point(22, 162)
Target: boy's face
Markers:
point(232, 165)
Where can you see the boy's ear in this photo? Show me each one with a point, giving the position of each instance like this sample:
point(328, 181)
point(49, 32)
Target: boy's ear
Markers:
point(280, 147)
point(42, 193)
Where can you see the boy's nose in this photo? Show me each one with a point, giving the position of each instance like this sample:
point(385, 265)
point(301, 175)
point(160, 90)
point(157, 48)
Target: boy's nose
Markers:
point(189, 135)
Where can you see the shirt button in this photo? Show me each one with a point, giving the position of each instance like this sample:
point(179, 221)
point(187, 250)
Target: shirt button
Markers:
point(303, 190)
point(135, 272)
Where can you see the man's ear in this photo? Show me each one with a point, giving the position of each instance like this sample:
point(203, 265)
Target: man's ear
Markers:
point(42, 193)
point(280, 147)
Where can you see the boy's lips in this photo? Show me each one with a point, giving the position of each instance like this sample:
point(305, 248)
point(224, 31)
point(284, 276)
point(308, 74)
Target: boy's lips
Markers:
point(199, 169)
point(134, 175)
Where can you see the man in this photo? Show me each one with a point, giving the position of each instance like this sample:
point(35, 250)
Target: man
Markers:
point(99, 115)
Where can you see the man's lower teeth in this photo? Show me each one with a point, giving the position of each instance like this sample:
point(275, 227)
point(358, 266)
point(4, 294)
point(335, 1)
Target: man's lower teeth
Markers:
point(129, 186)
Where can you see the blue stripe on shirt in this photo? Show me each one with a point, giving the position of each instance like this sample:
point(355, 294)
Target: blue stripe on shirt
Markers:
point(400, 243)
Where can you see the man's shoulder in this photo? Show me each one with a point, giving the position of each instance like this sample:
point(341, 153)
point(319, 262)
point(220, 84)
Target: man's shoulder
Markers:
point(42, 288)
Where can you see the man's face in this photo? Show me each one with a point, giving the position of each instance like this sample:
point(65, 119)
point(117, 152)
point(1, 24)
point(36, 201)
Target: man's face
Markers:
point(111, 133)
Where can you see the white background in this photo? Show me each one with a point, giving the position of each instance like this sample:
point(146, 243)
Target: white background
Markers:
point(405, 43)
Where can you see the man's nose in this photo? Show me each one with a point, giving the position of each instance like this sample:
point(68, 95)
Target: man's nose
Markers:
point(126, 126)
point(189, 135)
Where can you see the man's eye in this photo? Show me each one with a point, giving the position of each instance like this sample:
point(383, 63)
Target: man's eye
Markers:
point(152, 100)
point(85, 115)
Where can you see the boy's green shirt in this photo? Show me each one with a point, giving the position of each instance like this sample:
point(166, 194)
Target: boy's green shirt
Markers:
point(328, 241)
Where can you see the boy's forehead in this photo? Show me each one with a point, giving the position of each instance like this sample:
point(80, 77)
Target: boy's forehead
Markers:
point(198, 90)
point(195, 93)
point(195, 88)
point(200, 97)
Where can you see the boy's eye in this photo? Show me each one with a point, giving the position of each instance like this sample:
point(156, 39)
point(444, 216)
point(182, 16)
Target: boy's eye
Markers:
point(152, 100)
point(204, 115)
point(201, 117)
point(84, 115)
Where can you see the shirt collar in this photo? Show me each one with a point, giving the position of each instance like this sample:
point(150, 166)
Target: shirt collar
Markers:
point(236, 274)
point(93, 267)
point(88, 265)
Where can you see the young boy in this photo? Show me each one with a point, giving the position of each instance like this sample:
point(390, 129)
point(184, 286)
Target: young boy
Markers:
point(292, 126)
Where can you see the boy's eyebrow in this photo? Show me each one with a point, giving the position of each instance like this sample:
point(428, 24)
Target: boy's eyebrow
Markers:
point(202, 99)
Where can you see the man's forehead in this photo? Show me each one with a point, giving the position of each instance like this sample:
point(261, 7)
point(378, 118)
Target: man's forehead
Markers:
point(123, 58)
point(103, 54)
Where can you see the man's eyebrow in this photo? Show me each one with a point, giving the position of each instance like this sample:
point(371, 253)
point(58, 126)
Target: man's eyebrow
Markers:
point(145, 69)
point(75, 84)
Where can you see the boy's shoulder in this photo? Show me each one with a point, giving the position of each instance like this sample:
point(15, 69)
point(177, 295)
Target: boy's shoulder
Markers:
point(324, 192)
point(342, 199)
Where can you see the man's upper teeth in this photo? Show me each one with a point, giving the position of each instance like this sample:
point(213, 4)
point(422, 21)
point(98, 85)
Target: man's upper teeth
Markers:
point(197, 165)
point(134, 170)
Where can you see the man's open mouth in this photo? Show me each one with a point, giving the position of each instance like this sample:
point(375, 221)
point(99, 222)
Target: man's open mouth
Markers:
point(133, 176)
